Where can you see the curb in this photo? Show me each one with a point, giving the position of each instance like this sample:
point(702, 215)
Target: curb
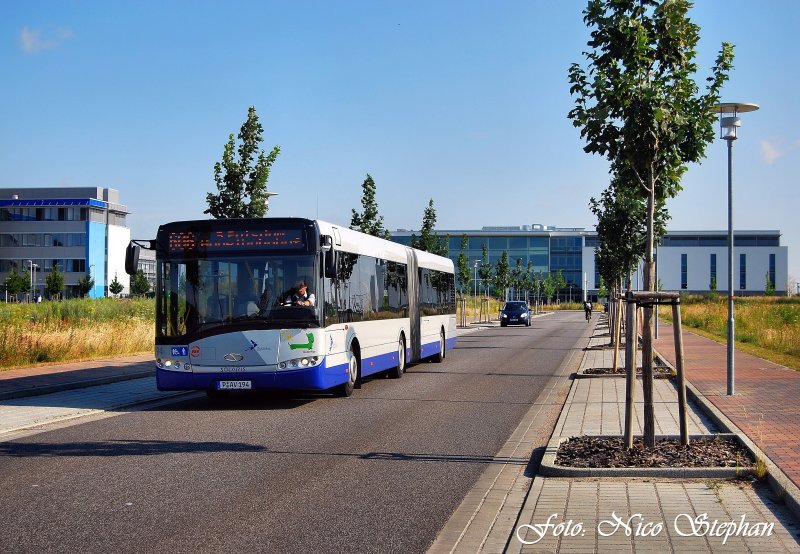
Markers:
point(549, 468)
point(780, 484)
point(47, 389)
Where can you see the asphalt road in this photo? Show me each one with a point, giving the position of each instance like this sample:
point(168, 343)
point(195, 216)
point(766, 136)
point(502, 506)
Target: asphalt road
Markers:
point(378, 472)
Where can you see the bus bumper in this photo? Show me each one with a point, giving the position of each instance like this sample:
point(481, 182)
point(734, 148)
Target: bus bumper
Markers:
point(315, 378)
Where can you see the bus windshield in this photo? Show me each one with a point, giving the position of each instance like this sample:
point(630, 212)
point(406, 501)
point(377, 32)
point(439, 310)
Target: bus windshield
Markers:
point(228, 293)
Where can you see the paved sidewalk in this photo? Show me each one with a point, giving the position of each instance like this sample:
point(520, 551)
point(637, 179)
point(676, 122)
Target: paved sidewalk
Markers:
point(766, 401)
point(614, 514)
point(33, 381)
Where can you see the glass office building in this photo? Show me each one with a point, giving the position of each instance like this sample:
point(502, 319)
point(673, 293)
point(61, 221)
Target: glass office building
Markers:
point(687, 261)
point(548, 249)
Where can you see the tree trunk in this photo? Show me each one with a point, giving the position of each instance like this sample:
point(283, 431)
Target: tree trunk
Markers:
point(647, 324)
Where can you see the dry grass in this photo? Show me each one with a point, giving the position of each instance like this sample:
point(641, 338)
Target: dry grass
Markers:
point(74, 330)
point(474, 306)
point(768, 327)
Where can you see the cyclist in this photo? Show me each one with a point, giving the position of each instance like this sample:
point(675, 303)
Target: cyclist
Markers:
point(587, 308)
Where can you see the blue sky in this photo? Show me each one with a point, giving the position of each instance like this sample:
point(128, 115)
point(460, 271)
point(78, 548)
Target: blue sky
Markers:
point(464, 102)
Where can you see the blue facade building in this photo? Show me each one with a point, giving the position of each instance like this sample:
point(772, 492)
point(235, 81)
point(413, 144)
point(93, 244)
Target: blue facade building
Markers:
point(80, 229)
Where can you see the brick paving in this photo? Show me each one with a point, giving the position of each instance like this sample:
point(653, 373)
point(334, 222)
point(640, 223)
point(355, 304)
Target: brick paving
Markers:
point(658, 512)
point(766, 403)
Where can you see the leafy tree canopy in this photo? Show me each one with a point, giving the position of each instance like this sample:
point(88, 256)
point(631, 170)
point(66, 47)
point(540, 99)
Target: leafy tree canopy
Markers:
point(428, 240)
point(369, 221)
point(54, 282)
point(85, 284)
point(139, 284)
point(16, 283)
point(463, 267)
point(242, 182)
point(637, 103)
point(115, 287)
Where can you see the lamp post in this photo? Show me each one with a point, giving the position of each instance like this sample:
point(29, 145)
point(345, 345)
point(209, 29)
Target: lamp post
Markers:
point(729, 123)
point(475, 298)
point(33, 277)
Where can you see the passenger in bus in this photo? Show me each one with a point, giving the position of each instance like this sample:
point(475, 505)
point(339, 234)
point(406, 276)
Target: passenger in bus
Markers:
point(298, 295)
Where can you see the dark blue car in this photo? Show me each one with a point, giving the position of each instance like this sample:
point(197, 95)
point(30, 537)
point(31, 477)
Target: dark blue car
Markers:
point(515, 313)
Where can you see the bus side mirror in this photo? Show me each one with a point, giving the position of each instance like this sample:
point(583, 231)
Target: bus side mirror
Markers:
point(132, 258)
point(331, 259)
point(326, 242)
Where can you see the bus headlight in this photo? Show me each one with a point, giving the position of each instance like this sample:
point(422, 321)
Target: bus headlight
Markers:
point(301, 363)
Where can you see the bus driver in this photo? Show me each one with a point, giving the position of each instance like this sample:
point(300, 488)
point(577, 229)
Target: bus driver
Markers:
point(298, 295)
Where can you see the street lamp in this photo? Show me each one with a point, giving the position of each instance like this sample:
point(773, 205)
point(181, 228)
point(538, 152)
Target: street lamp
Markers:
point(34, 267)
point(729, 124)
point(475, 298)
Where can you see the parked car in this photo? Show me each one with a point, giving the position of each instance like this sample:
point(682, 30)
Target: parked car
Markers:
point(516, 312)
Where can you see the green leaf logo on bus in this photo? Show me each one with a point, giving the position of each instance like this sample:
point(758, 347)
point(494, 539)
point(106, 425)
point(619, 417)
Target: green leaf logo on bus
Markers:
point(306, 345)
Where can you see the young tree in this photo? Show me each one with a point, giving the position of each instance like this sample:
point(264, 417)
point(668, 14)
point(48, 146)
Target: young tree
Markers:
point(638, 105)
point(85, 284)
point(602, 292)
point(115, 287)
point(548, 287)
point(559, 282)
point(54, 282)
point(485, 268)
point(769, 289)
point(502, 275)
point(369, 221)
point(139, 284)
point(242, 184)
point(16, 283)
point(518, 278)
point(621, 229)
point(528, 281)
point(428, 240)
point(464, 273)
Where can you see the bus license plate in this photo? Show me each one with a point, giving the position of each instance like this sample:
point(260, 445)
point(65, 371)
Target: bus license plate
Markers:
point(235, 385)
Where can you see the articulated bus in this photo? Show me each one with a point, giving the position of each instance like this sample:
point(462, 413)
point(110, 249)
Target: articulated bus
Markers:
point(225, 319)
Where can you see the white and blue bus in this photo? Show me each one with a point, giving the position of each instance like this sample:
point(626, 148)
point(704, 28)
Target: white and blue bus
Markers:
point(225, 320)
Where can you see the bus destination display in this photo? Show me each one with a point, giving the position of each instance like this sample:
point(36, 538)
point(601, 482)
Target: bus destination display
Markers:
point(180, 242)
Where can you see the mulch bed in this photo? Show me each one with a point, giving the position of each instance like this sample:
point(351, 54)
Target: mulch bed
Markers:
point(602, 452)
point(659, 372)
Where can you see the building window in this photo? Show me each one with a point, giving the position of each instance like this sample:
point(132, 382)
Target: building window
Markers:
point(772, 269)
point(712, 282)
point(684, 272)
point(742, 271)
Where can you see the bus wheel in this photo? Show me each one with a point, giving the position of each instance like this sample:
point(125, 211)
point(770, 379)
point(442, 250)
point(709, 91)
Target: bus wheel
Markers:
point(397, 372)
point(439, 356)
point(346, 389)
